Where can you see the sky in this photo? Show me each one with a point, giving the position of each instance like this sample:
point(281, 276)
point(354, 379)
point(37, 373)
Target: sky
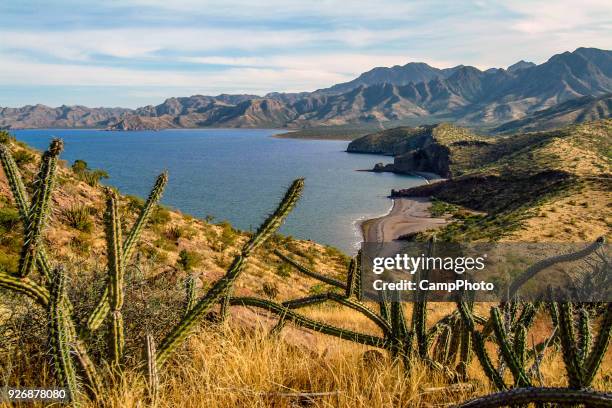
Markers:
point(132, 53)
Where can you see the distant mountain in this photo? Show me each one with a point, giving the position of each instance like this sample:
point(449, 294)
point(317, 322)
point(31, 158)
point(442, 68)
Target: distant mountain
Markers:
point(520, 65)
point(579, 110)
point(463, 94)
point(414, 72)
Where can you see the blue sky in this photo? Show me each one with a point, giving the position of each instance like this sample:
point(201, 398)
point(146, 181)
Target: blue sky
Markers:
point(135, 52)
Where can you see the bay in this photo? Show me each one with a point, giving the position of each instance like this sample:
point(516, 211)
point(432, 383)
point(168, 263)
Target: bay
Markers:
point(238, 175)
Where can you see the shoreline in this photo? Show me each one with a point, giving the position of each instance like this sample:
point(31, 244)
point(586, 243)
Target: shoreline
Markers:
point(407, 215)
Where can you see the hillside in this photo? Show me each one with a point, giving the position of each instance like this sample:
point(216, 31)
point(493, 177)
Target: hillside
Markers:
point(463, 94)
point(443, 149)
point(539, 186)
point(585, 109)
point(76, 237)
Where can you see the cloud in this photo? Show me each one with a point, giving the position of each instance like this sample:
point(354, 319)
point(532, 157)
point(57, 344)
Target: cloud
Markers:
point(274, 45)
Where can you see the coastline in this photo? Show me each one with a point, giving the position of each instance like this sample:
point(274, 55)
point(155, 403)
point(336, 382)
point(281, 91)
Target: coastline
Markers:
point(408, 215)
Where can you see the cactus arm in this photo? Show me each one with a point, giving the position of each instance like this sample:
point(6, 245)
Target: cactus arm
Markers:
point(102, 308)
point(520, 378)
point(520, 344)
point(301, 268)
point(39, 210)
point(20, 195)
point(189, 293)
point(528, 395)
point(351, 277)
point(308, 323)
point(59, 337)
point(584, 340)
point(25, 286)
point(180, 332)
point(115, 276)
point(136, 231)
point(568, 345)
point(358, 306)
point(479, 347)
point(152, 375)
point(600, 346)
point(15, 182)
point(534, 269)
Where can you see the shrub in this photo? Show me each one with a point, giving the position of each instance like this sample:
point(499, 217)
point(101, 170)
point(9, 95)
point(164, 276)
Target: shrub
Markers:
point(188, 260)
point(78, 217)
point(9, 218)
point(23, 157)
point(174, 233)
point(270, 290)
point(160, 216)
point(5, 137)
point(89, 176)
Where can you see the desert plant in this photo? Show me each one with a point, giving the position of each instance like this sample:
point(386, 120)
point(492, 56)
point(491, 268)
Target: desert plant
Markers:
point(78, 217)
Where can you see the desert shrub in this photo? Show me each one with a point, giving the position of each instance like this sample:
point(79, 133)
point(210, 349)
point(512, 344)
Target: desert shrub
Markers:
point(23, 157)
point(175, 232)
point(81, 243)
point(188, 260)
point(89, 176)
point(283, 270)
point(78, 217)
point(270, 290)
point(5, 137)
point(228, 234)
point(9, 219)
point(134, 203)
point(160, 216)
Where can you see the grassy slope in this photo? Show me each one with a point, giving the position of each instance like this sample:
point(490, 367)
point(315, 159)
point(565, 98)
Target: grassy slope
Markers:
point(537, 186)
point(237, 364)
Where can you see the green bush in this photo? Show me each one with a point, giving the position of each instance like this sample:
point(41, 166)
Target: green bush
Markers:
point(89, 176)
point(9, 218)
point(160, 216)
point(78, 217)
point(5, 137)
point(23, 157)
point(188, 260)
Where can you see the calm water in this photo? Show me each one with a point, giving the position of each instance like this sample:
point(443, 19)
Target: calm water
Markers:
point(238, 175)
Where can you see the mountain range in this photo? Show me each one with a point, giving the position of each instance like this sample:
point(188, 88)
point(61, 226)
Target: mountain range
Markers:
point(463, 94)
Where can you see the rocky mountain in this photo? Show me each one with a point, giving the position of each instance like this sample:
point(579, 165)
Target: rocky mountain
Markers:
point(520, 65)
point(579, 110)
point(462, 94)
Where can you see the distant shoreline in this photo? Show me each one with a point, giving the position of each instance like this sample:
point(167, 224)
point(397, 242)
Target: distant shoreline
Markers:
point(408, 215)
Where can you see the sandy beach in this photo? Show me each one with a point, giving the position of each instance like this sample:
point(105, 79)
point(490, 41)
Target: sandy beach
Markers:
point(408, 215)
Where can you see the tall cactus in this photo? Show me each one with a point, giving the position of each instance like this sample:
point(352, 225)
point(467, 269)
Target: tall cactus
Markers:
point(59, 336)
point(102, 307)
point(112, 222)
point(39, 209)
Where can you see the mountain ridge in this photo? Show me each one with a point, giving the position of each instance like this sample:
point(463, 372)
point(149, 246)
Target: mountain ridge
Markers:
point(465, 94)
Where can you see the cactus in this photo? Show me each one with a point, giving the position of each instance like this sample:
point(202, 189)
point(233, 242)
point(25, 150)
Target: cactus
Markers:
point(59, 336)
point(178, 334)
point(151, 374)
point(301, 268)
point(112, 221)
point(25, 286)
point(39, 209)
point(102, 308)
point(189, 293)
point(539, 396)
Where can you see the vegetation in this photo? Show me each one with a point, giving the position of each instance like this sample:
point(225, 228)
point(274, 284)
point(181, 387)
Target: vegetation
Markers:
point(89, 176)
point(122, 340)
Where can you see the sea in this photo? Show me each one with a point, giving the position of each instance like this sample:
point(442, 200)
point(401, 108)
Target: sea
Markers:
point(239, 175)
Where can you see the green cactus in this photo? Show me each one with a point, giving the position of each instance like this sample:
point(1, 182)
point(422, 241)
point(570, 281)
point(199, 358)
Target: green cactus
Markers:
point(39, 209)
point(25, 286)
point(511, 359)
point(301, 268)
point(351, 277)
point(102, 308)
point(518, 397)
point(180, 332)
point(189, 293)
point(112, 221)
point(59, 337)
point(151, 374)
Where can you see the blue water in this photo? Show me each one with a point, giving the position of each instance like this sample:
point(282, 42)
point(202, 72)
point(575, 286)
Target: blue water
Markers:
point(238, 175)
